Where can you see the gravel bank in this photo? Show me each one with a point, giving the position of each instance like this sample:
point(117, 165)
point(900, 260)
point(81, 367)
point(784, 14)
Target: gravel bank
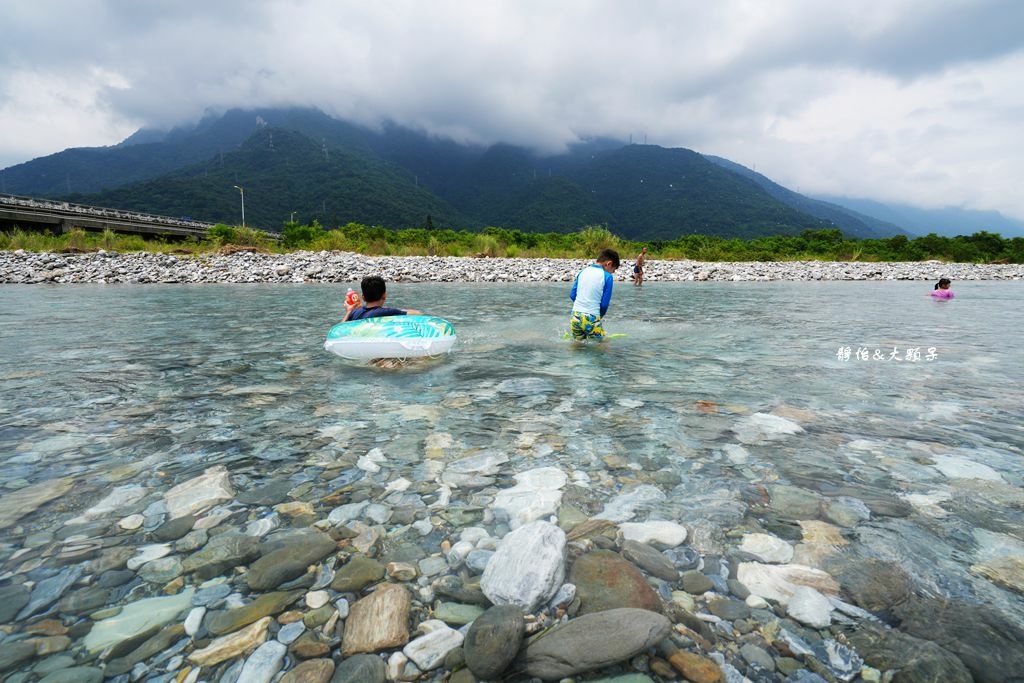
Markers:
point(21, 267)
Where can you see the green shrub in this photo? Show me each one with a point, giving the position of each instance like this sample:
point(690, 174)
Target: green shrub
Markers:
point(297, 236)
point(224, 234)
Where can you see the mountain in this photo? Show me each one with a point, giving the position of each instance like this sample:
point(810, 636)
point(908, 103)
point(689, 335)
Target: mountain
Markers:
point(949, 222)
point(656, 193)
point(850, 221)
point(282, 171)
point(148, 154)
point(303, 161)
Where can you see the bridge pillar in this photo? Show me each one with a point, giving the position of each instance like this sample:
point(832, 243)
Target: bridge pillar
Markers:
point(67, 224)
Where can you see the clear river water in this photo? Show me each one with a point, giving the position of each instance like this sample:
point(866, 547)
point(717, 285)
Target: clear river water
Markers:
point(870, 393)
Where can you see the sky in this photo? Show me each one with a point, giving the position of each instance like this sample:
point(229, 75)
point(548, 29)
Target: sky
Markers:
point(912, 101)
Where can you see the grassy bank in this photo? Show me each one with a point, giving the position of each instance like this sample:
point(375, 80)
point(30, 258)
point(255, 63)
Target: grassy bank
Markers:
point(811, 245)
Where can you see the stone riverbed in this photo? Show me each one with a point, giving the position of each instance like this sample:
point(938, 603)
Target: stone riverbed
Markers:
point(22, 267)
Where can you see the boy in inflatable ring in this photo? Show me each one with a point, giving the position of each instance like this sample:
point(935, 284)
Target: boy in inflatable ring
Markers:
point(375, 293)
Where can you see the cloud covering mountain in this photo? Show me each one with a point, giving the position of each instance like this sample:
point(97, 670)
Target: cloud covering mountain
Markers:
point(898, 100)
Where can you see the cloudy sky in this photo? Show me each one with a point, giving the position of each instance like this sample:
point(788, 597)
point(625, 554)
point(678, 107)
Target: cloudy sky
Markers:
point(915, 101)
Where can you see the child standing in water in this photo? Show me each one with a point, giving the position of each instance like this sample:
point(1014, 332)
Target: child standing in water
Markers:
point(942, 290)
point(591, 295)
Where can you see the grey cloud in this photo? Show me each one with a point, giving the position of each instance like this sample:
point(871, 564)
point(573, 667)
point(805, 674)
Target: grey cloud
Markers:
point(713, 76)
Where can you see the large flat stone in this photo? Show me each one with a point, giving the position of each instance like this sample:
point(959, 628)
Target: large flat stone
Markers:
point(778, 582)
point(379, 621)
point(17, 504)
point(135, 618)
point(199, 493)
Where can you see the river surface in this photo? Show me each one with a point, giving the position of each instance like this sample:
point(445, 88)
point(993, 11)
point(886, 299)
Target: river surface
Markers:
point(883, 393)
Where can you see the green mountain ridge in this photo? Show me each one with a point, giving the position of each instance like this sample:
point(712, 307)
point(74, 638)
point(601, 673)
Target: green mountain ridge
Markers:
point(851, 222)
point(281, 172)
point(337, 172)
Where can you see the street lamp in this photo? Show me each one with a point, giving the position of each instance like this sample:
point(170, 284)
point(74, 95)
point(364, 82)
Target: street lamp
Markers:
point(293, 217)
point(242, 192)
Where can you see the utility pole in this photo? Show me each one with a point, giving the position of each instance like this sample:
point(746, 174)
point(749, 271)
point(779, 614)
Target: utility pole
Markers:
point(242, 192)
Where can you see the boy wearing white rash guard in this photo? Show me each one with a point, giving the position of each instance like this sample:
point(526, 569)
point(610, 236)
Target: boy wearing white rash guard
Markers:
point(591, 294)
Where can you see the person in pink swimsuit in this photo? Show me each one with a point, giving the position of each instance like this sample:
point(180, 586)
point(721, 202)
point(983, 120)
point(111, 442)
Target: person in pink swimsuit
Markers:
point(942, 290)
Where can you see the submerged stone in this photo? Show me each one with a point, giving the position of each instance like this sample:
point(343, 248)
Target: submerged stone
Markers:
point(199, 493)
point(605, 581)
point(593, 641)
point(135, 618)
point(527, 568)
point(378, 622)
point(267, 604)
point(493, 641)
point(233, 644)
point(48, 591)
point(289, 559)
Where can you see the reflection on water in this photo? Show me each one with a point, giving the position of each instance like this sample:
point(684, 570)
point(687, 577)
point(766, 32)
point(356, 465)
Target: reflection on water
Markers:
point(715, 390)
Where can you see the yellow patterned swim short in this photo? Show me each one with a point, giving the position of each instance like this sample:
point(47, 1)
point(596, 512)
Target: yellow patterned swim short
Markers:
point(586, 326)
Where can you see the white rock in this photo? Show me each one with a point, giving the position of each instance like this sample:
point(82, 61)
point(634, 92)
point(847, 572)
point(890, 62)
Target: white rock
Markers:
point(761, 427)
point(212, 518)
point(147, 553)
point(396, 666)
point(527, 568)
point(624, 506)
point(263, 664)
point(928, 503)
point(537, 493)
point(956, 467)
point(400, 484)
point(809, 607)
point(194, 620)
point(459, 552)
point(423, 526)
point(263, 526)
point(343, 514)
point(132, 522)
point(756, 602)
point(428, 651)
point(737, 454)
point(778, 582)
point(199, 493)
point(372, 461)
point(115, 501)
point(473, 534)
point(317, 599)
point(767, 548)
point(662, 532)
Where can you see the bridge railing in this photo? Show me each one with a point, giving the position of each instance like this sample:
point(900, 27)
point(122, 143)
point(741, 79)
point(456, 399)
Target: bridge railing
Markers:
point(98, 212)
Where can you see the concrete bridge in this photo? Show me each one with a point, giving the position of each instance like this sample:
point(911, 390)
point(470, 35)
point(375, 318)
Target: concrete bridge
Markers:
point(30, 212)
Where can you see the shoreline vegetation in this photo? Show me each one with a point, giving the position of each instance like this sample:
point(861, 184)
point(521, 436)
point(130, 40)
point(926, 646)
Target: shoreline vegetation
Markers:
point(811, 245)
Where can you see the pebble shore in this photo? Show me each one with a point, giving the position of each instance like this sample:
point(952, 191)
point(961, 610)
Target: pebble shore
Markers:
point(22, 267)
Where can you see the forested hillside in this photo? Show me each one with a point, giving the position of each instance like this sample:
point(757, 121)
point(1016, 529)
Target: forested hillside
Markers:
point(283, 172)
